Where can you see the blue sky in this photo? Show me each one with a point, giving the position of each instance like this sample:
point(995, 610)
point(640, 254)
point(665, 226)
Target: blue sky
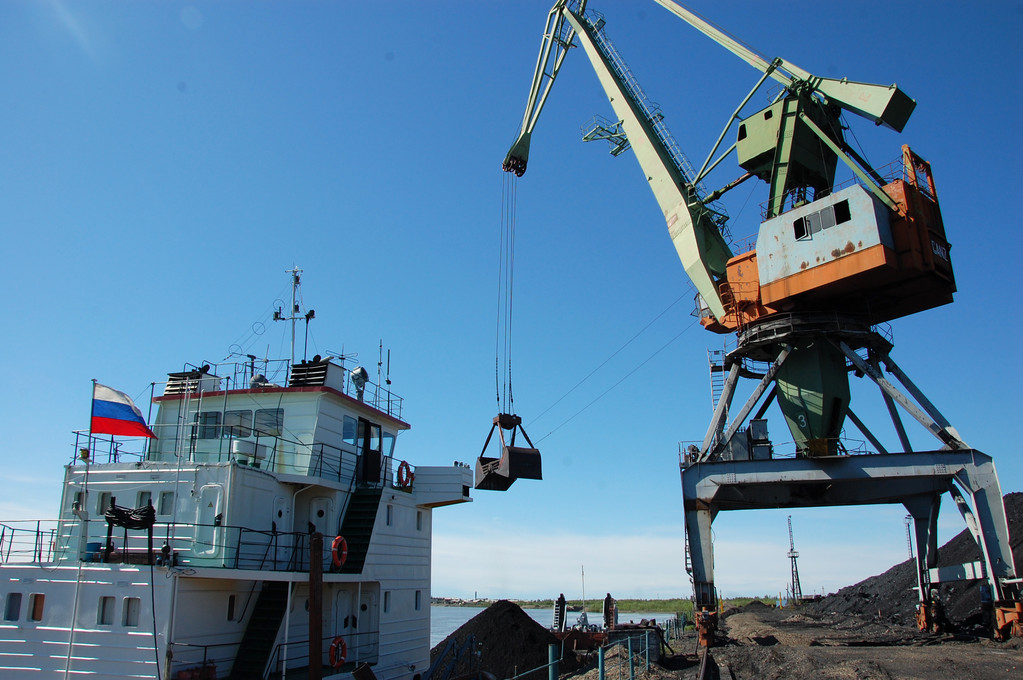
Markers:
point(164, 162)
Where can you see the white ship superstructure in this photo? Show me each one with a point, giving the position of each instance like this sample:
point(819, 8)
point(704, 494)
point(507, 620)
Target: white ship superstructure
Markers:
point(209, 575)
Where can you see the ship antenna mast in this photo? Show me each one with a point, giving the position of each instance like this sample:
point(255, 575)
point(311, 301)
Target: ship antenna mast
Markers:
point(293, 316)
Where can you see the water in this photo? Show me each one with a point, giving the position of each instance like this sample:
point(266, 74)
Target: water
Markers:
point(445, 620)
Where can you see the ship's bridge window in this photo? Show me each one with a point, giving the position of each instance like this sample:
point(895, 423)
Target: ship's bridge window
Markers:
point(103, 502)
point(237, 423)
point(207, 425)
point(369, 436)
point(388, 444)
point(269, 421)
point(144, 499)
point(349, 430)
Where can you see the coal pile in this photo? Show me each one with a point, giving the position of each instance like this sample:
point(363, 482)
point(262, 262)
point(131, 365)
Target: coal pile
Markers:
point(509, 642)
point(891, 596)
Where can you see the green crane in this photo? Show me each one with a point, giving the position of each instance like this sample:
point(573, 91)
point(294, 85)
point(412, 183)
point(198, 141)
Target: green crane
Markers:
point(829, 264)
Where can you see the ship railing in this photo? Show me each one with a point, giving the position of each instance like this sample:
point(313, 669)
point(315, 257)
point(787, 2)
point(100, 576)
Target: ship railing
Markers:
point(268, 451)
point(199, 661)
point(188, 545)
point(29, 541)
point(688, 450)
point(104, 449)
point(256, 373)
point(362, 647)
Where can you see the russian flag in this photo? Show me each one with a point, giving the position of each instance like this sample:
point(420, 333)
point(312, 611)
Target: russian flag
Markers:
point(114, 412)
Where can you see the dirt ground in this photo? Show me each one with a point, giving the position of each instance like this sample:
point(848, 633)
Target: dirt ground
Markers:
point(759, 642)
point(863, 632)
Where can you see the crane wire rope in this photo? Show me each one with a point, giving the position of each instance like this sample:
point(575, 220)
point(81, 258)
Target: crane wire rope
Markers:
point(612, 356)
point(624, 377)
point(505, 281)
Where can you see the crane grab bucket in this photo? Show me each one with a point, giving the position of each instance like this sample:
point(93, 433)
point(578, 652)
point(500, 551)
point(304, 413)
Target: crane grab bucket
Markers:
point(516, 462)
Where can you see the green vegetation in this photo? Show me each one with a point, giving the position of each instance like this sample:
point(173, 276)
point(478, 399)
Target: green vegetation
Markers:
point(625, 606)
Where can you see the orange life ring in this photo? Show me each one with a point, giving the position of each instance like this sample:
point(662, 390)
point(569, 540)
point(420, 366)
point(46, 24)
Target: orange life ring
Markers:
point(338, 652)
point(339, 552)
point(405, 475)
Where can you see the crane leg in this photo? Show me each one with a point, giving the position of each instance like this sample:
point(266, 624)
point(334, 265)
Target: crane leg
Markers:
point(698, 521)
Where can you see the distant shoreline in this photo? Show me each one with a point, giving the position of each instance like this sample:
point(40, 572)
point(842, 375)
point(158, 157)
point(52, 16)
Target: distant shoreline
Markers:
point(625, 605)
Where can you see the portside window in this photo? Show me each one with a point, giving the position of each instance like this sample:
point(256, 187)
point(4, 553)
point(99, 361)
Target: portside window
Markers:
point(230, 607)
point(12, 607)
point(419, 520)
point(36, 603)
point(105, 611)
point(419, 599)
point(143, 499)
point(166, 506)
point(237, 423)
point(390, 515)
point(103, 502)
point(270, 422)
point(387, 601)
point(130, 612)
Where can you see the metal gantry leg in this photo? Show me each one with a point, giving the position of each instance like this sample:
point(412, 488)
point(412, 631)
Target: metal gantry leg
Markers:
point(701, 547)
point(917, 480)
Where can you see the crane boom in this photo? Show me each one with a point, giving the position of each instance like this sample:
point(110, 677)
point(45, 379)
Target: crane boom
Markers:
point(693, 225)
point(882, 104)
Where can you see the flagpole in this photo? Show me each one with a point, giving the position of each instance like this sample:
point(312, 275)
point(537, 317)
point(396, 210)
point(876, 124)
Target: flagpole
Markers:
point(149, 418)
point(88, 443)
point(83, 519)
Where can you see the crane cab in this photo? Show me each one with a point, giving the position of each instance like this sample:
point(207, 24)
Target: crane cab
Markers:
point(849, 251)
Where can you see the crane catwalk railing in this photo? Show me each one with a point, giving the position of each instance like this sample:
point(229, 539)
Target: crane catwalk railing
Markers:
point(652, 112)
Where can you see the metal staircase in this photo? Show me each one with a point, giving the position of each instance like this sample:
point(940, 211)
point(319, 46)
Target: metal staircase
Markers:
point(716, 360)
point(357, 527)
point(261, 633)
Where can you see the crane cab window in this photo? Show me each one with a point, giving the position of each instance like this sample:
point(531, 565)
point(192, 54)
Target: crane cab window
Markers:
point(805, 227)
